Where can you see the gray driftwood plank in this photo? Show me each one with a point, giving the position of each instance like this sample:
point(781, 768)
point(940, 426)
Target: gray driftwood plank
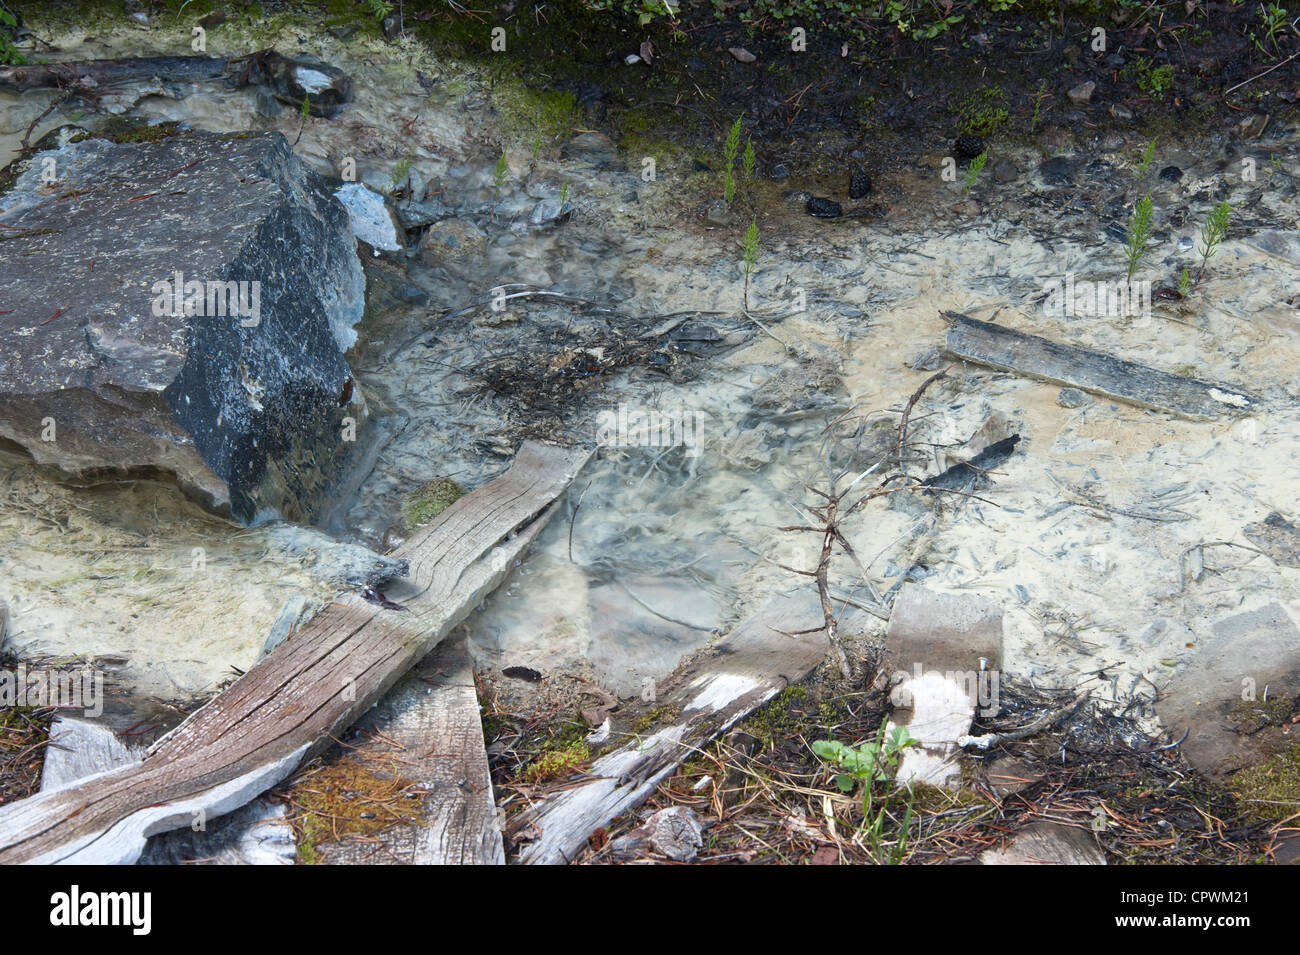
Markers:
point(312, 686)
point(1007, 350)
point(81, 748)
point(709, 694)
point(430, 725)
point(256, 834)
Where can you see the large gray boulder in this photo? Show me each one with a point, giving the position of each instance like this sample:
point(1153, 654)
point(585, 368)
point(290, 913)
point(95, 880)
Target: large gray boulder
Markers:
point(241, 394)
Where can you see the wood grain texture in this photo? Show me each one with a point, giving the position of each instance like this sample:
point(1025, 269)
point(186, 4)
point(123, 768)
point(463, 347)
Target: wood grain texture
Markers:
point(710, 694)
point(81, 748)
point(288, 706)
point(429, 726)
point(1007, 350)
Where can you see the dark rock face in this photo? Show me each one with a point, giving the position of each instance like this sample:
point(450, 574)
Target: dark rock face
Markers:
point(240, 393)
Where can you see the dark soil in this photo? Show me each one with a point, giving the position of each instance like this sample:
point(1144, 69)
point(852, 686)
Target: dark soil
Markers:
point(892, 99)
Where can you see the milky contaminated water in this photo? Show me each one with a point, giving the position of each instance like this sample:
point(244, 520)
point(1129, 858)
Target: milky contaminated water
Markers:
point(1088, 535)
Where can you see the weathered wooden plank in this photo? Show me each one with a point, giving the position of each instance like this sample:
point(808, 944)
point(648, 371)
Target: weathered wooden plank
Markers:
point(711, 693)
point(256, 834)
point(1007, 350)
point(312, 686)
point(431, 728)
point(81, 748)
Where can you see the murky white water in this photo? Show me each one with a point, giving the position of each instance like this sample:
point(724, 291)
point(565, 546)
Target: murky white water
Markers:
point(662, 547)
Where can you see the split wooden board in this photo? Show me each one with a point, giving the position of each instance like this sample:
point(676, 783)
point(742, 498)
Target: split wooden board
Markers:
point(292, 702)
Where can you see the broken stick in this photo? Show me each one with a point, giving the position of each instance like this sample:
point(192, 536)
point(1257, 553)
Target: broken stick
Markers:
point(1007, 350)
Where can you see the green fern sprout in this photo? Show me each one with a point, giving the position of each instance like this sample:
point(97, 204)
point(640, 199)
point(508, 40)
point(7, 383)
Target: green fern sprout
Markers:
point(400, 172)
point(974, 169)
point(500, 172)
point(729, 152)
point(1145, 162)
point(749, 162)
point(1139, 231)
point(1213, 232)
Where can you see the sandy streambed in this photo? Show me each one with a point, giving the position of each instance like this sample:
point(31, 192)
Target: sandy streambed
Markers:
point(1082, 536)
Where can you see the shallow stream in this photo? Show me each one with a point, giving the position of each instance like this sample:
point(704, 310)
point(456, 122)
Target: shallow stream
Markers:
point(1083, 535)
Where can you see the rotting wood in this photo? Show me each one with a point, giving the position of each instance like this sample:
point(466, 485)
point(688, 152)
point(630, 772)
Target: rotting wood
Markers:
point(429, 725)
point(1007, 350)
point(710, 694)
point(310, 688)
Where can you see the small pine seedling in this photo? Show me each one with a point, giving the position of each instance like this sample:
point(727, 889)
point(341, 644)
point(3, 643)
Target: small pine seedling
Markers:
point(1184, 282)
point(499, 174)
point(400, 171)
point(1038, 105)
point(729, 151)
point(1139, 231)
point(1213, 232)
point(1145, 162)
point(974, 169)
point(749, 162)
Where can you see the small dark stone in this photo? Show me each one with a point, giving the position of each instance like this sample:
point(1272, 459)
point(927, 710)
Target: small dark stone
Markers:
point(1072, 398)
point(522, 673)
point(1171, 174)
point(823, 208)
point(967, 147)
point(698, 166)
point(859, 185)
point(778, 170)
point(1059, 170)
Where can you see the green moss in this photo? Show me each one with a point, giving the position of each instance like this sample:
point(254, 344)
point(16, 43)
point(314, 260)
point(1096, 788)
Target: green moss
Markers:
point(429, 500)
point(934, 799)
point(1251, 716)
point(134, 129)
point(559, 762)
point(540, 117)
point(1156, 80)
point(982, 111)
point(654, 717)
point(1271, 789)
point(783, 715)
point(344, 798)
